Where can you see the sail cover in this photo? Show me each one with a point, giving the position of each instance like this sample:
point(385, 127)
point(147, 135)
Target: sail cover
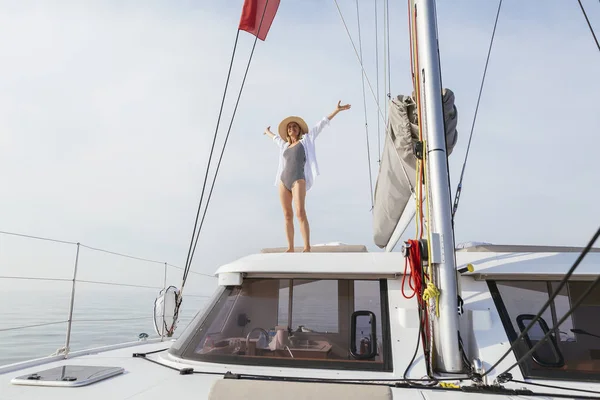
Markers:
point(394, 201)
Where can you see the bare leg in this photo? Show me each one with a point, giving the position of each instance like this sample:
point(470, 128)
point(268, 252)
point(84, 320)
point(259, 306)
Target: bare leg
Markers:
point(285, 196)
point(299, 193)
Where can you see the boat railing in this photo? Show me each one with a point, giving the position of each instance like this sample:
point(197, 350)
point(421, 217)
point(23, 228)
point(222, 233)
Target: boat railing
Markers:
point(164, 274)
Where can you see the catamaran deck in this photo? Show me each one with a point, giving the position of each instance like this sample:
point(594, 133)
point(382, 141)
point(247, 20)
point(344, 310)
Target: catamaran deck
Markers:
point(143, 379)
point(146, 380)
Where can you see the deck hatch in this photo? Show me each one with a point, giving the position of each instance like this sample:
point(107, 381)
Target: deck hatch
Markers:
point(68, 376)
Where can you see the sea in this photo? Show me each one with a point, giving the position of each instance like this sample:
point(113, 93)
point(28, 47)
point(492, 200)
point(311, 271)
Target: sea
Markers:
point(100, 318)
point(113, 303)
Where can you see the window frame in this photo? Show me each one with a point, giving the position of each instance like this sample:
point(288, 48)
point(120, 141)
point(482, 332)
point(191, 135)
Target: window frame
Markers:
point(535, 356)
point(544, 372)
point(187, 352)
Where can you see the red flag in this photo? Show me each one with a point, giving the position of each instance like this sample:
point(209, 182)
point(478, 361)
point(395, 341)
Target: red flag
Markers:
point(252, 13)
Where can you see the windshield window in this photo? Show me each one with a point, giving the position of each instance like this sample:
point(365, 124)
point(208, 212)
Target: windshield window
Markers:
point(574, 352)
point(295, 322)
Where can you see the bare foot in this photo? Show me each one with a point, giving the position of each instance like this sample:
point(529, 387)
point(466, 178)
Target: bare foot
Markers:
point(306, 250)
point(290, 250)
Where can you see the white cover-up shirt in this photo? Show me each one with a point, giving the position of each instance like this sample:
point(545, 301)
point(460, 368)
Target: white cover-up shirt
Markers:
point(311, 167)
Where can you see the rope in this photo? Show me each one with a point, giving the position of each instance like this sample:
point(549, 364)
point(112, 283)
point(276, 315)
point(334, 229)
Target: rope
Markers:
point(421, 164)
point(590, 25)
point(410, 41)
point(362, 76)
point(415, 281)
point(462, 173)
point(373, 94)
point(377, 84)
point(432, 292)
point(420, 170)
point(224, 144)
point(562, 284)
point(449, 385)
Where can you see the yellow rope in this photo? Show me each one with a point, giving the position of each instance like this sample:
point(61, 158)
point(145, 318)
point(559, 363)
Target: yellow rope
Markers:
point(432, 292)
point(449, 385)
point(428, 219)
point(417, 200)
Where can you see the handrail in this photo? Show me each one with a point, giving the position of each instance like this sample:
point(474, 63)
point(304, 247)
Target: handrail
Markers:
point(65, 351)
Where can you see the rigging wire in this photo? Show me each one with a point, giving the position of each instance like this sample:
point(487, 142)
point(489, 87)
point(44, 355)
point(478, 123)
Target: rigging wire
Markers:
point(372, 93)
point(385, 65)
point(32, 326)
point(194, 242)
point(36, 237)
point(389, 77)
point(227, 136)
point(121, 254)
point(362, 76)
point(550, 300)
point(188, 258)
point(377, 84)
point(551, 331)
point(462, 173)
point(90, 248)
point(589, 24)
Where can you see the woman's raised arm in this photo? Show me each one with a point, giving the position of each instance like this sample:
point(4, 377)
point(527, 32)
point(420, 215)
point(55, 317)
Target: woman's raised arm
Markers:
point(339, 108)
point(269, 133)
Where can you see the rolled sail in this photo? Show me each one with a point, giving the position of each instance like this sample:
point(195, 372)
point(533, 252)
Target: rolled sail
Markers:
point(394, 206)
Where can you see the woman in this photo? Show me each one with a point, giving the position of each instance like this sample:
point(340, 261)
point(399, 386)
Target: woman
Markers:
point(297, 169)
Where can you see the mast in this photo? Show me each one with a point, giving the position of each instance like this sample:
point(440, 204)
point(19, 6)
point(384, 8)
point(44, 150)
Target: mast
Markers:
point(446, 352)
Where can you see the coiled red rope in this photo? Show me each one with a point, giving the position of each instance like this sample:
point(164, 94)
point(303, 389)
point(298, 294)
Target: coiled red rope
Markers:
point(415, 280)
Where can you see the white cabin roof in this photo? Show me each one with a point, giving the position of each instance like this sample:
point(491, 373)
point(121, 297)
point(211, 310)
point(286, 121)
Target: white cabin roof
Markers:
point(487, 264)
point(318, 263)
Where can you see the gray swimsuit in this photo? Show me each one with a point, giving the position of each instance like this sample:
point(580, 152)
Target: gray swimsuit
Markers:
point(295, 158)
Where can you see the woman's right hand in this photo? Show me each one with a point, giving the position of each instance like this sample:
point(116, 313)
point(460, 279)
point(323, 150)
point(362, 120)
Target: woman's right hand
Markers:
point(268, 132)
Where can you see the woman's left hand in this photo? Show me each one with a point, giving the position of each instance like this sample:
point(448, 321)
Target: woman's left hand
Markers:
point(341, 107)
point(338, 108)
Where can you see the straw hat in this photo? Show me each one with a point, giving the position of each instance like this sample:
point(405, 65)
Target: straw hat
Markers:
point(282, 129)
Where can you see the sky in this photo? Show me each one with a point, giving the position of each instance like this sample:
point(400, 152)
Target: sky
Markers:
point(108, 110)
